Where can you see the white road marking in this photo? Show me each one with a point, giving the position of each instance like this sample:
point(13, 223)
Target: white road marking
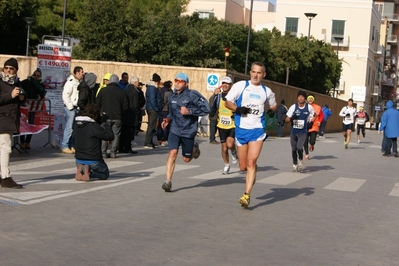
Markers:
point(375, 146)
point(284, 178)
point(16, 197)
point(36, 164)
point(395, 190)
point(72, 170)
point(346, 184)
point(218, 174)
point(328, 141)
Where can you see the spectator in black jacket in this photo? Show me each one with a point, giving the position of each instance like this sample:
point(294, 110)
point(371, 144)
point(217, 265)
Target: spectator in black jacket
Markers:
point(131, 119)
point(11, 96)
point(142, 106)
point(35, 90)
point(113, 101)
point(88, 136)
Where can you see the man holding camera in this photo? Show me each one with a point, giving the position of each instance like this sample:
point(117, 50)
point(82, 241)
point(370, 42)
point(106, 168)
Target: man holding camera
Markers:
point(348, 113)
point(11, 96)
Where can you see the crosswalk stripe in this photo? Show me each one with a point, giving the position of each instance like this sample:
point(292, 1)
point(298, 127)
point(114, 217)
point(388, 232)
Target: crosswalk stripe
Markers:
point(36, 164)
point(395, 190)
point(328, 141)
point(284, 178)
point(375, 146)
point(218, 174)
point(29, 195)
point(346, 184)
point(15, 197)
point(111, 165)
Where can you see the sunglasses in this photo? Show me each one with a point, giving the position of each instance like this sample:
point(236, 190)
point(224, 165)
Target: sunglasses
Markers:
point(9, 68)
point(225, 83)
point(178, 81)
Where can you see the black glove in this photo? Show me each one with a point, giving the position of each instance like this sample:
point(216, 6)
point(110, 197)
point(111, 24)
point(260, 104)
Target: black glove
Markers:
point(104, 118)
point(348, 115)
point(293, 117)
point(310, 125)
point(270, 112)
point(243, 110)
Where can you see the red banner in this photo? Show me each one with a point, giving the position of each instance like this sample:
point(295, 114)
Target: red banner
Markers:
point(27, 129)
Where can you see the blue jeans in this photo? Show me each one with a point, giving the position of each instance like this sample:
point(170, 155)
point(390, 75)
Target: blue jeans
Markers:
point(322, 127)
point(99, 170)
point(390, 143)
point(280, 129)
point(67, 140)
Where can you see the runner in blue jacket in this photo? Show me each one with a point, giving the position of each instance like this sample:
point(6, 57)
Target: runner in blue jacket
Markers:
point(185, 106)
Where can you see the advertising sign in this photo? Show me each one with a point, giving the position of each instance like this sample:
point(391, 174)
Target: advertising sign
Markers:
point(358, 93)
point(55, 64)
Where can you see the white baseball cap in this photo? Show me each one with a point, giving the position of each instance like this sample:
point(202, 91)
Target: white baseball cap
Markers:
point(227, 80)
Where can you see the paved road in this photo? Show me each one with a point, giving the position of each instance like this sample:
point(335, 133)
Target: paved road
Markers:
point(341, 210)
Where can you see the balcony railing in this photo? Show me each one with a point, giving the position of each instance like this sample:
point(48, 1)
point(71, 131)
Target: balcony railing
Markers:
point(391, 17)
point(379, 50)
point(392, 39)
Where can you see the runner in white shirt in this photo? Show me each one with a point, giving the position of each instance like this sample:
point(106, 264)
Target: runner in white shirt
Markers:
point(348, 113)
point(247, 99)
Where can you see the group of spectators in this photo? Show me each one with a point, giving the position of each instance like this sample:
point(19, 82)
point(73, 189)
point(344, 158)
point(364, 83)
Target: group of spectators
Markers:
point(121, 105)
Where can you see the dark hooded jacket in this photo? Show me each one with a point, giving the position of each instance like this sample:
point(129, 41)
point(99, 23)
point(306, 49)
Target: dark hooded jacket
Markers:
point(86, 90)
point(88, 137)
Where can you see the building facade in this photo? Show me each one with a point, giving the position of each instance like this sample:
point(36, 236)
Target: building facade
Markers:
point(364, 33)
point(235, 11)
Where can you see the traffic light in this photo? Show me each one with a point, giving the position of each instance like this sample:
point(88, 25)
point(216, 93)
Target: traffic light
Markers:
point(226, 51)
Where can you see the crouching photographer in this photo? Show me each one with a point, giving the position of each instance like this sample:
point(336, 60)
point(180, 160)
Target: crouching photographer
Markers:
point(88, 136)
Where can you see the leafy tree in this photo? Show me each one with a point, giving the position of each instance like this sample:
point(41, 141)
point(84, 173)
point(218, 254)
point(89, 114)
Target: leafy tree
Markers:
point(13, 27)
point(154, 31)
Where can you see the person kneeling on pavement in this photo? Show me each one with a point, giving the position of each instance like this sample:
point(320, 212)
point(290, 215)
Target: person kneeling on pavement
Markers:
point(88, 136)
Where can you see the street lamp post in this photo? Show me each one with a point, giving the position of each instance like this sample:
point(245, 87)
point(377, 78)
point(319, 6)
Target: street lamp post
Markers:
point(338, 40)
point(29, 21)
point(226, 54)
point(248, 37)
point(310, 16)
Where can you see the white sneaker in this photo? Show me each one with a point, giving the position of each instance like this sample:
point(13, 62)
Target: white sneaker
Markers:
point(234, 157)
point(300, 164)
point(133, 143)
point(226, 169)
point(358, 142)
point(295, 168)
point(164, 144)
